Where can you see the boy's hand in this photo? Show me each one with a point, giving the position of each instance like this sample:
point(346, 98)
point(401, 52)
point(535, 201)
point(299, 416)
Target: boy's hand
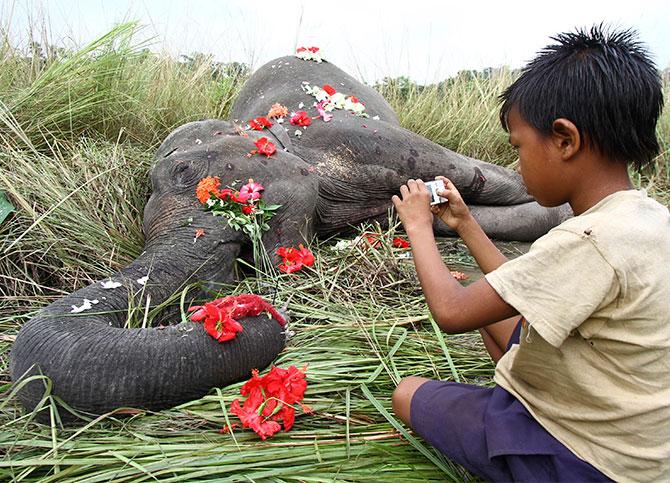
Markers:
point(455, 212)
point(414, 206)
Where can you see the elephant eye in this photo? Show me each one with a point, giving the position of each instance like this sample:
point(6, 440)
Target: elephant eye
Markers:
point(183, 174)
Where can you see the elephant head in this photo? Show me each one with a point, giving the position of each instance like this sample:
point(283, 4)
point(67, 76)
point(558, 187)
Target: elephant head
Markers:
point(80, 342)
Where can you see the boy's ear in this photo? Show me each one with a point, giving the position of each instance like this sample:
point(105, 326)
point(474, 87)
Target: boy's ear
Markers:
point(565, 137)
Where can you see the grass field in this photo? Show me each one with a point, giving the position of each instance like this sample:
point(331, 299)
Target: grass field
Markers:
point(77, 134)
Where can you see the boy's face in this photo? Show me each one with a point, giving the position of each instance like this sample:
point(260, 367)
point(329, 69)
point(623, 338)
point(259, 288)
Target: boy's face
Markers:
point(539, 165)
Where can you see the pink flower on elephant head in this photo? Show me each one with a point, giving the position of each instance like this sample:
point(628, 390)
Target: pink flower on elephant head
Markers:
point(251, 190)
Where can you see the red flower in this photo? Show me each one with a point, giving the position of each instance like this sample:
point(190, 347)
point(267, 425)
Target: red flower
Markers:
point(300, 49)
point(329, 90)
point(259, 123)
point(225, 194)
point(353, 99)
point(219, 315)
point(373, 239)
point(265, 146)
point(270, 399)
point(294, 259)
point(251, 419)
point(248, 209)
point(301, 118)
point(313, 50)
point(399, 242)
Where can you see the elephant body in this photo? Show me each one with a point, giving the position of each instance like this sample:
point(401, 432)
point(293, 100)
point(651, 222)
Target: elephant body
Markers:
point(335, 175)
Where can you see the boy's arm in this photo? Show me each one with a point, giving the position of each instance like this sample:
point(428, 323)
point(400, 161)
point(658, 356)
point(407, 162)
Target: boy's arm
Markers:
point(457, 216)
point(454, 307)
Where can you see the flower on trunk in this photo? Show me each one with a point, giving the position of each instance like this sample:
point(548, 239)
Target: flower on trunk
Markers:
point(301, 118)
point(207, 187)
point(270, 400)
point(219, 316)
point(198, 233)
point(277, 110)
point(259, 123)
point(265, 146)
point(293, 259)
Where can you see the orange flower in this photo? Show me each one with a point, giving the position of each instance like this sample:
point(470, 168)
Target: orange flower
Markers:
point(206, 187)
point(458, 275)
point(277, 110)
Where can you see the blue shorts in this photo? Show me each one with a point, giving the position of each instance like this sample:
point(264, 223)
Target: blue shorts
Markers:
point(489, 432)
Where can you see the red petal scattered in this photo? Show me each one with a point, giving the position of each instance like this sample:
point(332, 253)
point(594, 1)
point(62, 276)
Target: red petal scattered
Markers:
point(265, 146)
point(399, 242)
point(259, 123)
point(293, 259)
point(301, 118)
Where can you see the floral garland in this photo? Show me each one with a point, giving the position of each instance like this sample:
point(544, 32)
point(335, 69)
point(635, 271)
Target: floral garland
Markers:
point(218, 316)
point(269, 401)
point(329, 99)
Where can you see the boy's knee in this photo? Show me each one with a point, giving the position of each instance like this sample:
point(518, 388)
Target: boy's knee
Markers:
point(402, 397)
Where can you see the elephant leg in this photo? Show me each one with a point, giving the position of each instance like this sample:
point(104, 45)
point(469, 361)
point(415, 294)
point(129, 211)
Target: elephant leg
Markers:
point(523, 222)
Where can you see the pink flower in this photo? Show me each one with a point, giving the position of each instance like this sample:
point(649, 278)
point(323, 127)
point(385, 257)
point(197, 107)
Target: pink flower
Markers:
point(322, 111)
point(252, 189)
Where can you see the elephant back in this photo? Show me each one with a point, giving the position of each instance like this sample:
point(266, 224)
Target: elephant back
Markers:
point(281, 81)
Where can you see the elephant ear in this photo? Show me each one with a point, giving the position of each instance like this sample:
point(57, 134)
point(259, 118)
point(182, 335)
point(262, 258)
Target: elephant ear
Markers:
point(193, 133)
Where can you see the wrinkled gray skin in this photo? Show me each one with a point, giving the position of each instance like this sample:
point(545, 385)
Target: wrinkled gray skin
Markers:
point(336, 175)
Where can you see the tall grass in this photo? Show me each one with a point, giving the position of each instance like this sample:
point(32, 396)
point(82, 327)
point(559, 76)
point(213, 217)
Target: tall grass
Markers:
point(77, 134)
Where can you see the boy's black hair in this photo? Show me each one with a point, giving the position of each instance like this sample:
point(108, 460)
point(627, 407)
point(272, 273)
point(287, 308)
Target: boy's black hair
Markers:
point(604, 82)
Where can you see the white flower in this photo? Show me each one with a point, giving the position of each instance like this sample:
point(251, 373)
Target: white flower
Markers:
point(298, 132)
point(143, 280)
point(338, 100)
point(85, 306)
point(320, 94)
point(301, 105)
point(342, 245)
point(107, 284)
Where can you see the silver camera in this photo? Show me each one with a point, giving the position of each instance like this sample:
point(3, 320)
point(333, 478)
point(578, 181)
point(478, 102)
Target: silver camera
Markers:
point(433, 188)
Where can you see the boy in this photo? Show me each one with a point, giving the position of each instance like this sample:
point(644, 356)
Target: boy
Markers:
point(583, 377)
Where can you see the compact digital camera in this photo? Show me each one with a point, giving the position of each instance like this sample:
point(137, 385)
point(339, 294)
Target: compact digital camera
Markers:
point(433, 188)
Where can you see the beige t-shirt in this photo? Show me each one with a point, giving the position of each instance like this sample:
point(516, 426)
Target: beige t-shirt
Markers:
point(593, 363)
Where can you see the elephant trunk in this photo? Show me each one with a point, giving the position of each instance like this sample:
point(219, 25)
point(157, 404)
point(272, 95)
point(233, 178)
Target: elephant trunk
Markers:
point(96, 365)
